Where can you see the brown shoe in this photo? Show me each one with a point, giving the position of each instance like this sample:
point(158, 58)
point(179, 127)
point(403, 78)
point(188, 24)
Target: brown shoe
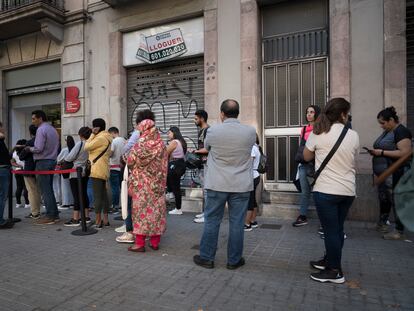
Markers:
point(137, 250)
point(45, 221)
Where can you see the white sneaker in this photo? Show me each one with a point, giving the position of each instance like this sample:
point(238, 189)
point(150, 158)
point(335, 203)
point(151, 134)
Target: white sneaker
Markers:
point(175, 212)
point(27, 206)
point(19, 205)
point(199, 215)
point(125, 238)
point(199, 220)
point(63, 207)
point(121, 229)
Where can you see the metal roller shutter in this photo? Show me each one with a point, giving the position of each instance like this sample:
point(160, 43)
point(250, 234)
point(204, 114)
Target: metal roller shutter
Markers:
point(173, 91)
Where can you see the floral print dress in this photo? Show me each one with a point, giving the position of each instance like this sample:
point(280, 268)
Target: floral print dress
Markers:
point(148, 162)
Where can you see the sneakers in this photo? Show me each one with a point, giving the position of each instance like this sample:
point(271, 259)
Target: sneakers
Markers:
point(125, 238)
point(237, 265)
point(327, 275)
point(393, 235)
point(199, 220)
point(175, 212)
point(88, 220)
point(208, 264)
point(63, 207)
point(254, 224)
point(320, 264)
point(46, 221)
point(248, 228)
point(72, 223)
point(300, 221)
point(27, 206)
point(121, 229)
point(20, 205)
point(37, 216)
point(382, 227)
point(320, 230)
point(199, 215)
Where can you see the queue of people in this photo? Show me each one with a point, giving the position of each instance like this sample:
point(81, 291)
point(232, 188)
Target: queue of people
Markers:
point(230, 155)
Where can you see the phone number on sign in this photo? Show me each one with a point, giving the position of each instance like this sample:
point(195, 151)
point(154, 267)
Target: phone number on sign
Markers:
point(168, 52)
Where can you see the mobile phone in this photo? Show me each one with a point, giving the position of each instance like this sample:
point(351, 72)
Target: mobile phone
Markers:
point(367, 149)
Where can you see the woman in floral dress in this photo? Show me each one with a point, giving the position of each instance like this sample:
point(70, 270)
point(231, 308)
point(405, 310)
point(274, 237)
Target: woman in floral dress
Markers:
point(148, 164)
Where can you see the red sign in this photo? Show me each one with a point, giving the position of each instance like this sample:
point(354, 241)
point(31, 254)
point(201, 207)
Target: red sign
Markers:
point(72, 102)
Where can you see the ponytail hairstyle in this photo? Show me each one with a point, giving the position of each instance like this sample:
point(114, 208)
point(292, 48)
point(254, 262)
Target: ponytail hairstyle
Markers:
point(177, 135)
point(387, 114)
point(332, 113)
point(70, 142)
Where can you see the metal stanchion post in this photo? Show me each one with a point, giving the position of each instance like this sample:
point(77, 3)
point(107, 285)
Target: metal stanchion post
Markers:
point(85, 230)
point(11, 218)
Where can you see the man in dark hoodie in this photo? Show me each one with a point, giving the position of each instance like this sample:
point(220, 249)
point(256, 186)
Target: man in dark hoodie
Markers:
point(30, 180)
point(4, 178)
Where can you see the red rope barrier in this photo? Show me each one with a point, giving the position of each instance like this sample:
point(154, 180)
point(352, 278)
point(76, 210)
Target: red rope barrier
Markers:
point(22, 172)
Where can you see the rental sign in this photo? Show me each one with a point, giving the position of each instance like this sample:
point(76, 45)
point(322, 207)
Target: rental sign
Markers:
point(162, 46)
point(162, 43)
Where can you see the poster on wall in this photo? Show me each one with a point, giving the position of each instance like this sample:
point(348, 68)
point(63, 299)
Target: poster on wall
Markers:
point(162, 43)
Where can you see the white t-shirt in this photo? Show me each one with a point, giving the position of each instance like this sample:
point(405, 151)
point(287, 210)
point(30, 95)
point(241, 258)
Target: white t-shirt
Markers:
point(256, 160)
point(338, 176)
point(116, 148)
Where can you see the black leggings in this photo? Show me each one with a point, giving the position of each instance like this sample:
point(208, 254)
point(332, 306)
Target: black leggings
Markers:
point(75, 192)
point(21, 188)
point(176, 169)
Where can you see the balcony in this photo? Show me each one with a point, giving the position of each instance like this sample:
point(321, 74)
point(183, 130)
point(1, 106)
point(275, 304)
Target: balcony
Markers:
point(20, 17)
point(116, 3)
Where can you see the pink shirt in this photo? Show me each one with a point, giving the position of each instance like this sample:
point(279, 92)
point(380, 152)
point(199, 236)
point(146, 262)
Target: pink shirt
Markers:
point(308, 131)
point(178, 152)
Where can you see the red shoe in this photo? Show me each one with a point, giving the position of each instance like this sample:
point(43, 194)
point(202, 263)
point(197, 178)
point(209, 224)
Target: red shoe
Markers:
point(155, 248)
point(137, 250)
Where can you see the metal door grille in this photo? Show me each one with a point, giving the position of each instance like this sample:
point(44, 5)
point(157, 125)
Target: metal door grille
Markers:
point(173, 91)
point(290, 88)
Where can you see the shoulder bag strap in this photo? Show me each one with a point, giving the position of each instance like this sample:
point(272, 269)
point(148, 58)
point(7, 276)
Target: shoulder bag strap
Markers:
point(80, 148)
point(330, 154)
point(102, 153)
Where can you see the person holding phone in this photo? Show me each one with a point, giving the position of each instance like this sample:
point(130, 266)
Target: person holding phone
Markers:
point(392, 144)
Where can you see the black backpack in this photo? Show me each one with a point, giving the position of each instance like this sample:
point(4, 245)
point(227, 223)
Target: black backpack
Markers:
point(263, 166)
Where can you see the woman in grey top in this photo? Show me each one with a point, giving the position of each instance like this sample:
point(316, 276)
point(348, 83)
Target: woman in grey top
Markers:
point(78, 155)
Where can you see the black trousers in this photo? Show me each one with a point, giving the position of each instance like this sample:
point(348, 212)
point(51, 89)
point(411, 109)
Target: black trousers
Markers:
point(21, 188)
point(75, 192)
point(176, 170)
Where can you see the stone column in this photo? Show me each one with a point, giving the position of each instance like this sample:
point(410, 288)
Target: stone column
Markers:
point(339, 58)
point(211, 103)
point(395, 82)
point(250, 63)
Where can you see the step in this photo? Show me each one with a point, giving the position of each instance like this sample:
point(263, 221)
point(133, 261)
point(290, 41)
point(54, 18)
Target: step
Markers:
point(285, 211)
point(283, 197)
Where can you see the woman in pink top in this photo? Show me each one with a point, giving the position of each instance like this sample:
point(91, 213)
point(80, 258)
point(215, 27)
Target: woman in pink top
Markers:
point(176, 149)
point(312, 113)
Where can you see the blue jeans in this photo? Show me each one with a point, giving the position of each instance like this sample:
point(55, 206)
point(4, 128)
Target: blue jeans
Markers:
point(306, 191)
point(213, 215)
point(128, 220)
point(332, 211)
point(90, 193)
point(45, 184)
point(4, 191)
point(115, 181)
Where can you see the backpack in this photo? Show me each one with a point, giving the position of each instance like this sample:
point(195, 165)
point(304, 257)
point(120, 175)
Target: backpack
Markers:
point(263, 166)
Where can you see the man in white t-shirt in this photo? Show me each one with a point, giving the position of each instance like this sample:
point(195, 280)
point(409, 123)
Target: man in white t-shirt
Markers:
point(117, 145)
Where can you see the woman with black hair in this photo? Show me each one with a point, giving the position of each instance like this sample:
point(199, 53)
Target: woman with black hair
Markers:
point(335, 187)
point(312, 113)
point(20, 184)
point(176, 150)
point(67, 197)
point(394, 143)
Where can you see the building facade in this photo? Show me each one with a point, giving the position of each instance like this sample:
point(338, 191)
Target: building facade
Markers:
point(83, 59)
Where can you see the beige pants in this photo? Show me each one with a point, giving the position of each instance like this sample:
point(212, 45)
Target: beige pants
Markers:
point(34, 194)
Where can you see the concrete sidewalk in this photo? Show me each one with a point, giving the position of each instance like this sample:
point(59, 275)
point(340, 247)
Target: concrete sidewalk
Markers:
point(47, 268)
